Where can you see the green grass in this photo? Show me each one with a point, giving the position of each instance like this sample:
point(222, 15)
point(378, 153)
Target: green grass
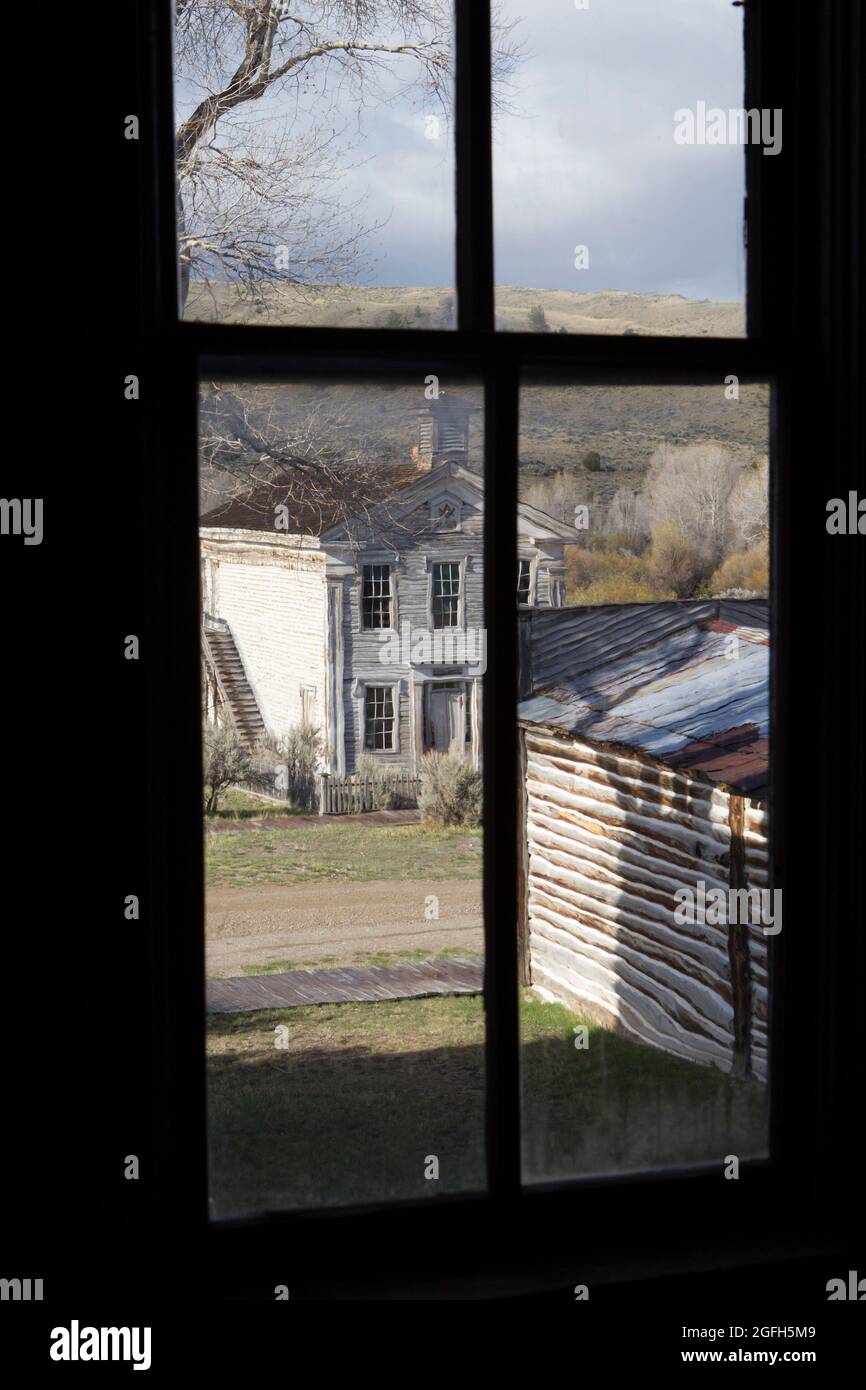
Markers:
point(278, 967)
point(352, 852)
point(238, 805)
point(363, 1093)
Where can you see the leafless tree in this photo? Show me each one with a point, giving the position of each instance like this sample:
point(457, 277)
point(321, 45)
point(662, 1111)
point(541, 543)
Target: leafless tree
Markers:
point(314, 463)
point(264, 138)
point(692, 487)
point(628, 516)
point(750, 505)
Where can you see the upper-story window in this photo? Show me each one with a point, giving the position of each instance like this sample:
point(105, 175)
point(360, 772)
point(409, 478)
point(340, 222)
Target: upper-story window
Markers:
point(446, 594)
point(376, 598)
point(524, 581)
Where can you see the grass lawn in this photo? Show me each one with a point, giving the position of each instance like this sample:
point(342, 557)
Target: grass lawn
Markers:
point(355, 852)
point(238, 805)
point(278, 967)
point(363, 1093)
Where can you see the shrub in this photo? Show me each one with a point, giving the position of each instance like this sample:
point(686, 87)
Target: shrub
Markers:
point(602, 574)
point(538, 320)
point(384, 797)
point(592, 461)
point(450, 790)
point(225, 760)
point(299, 751)
point(747, 571)
point(619, 588)
point(673, 562)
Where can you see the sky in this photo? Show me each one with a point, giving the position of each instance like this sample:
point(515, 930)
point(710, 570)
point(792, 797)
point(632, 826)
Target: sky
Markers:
point(584, 155)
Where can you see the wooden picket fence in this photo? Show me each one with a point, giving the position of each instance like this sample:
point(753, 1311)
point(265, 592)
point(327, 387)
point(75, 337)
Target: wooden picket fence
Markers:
point(347, 796)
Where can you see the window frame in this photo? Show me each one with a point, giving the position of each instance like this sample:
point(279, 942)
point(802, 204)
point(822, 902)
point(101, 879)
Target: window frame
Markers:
point(386, 596)
point(456, 598)
point(805, 207)
point(391, 688)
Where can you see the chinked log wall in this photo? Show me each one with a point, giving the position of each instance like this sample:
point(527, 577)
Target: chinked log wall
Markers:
point(610, 839)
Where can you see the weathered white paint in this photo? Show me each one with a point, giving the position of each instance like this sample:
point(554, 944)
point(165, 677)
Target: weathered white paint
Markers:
point(610, 840)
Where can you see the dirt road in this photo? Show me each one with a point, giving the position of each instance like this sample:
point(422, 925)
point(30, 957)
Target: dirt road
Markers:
point(336, 922)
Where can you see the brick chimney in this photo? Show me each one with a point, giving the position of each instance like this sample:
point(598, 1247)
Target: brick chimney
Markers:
point(443, 432)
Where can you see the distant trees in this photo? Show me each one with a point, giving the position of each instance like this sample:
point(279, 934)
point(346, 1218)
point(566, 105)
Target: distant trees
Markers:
point(699, 526)
point(674, 562)
point(692, 488)
point(538, 320)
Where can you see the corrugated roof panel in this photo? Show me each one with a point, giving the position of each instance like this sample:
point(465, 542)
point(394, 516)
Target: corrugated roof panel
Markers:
point(682, 693)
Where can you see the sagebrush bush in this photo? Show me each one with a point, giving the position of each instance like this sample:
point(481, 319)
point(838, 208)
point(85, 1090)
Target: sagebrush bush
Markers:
point(746, 570)
point(384, 797)
point(224, 760)
point(604, 574)
point(620, 589)
point(299, 751)
point(673, 562)
point(450, 790)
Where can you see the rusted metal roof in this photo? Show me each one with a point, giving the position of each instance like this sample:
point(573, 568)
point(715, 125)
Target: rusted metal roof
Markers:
point(682, 693)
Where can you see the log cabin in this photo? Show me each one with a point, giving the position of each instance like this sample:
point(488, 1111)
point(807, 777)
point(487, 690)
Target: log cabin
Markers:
point(644, 752)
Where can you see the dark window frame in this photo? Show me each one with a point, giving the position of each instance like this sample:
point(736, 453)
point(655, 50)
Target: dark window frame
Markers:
point(802, 212)
point(442, 604)
point(524, 594)
point(388, 697)
point(379, 600)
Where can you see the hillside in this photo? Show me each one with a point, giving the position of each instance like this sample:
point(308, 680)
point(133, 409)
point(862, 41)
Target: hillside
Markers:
point(559, 425)
point(606, 311)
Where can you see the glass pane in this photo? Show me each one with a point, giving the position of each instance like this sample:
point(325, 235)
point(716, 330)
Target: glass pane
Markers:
point(648, 913)
point(343, 849)
point(619, 177)
point(315, 162)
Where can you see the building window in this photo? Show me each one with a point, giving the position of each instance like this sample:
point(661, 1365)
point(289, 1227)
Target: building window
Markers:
point(446, 594)
point(379, 718)
point(376, 598)
point(524, 581)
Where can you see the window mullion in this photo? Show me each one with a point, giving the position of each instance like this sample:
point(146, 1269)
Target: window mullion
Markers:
point(474, 166)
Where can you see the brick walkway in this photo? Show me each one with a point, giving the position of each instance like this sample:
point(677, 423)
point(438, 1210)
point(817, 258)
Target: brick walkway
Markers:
point(364, 983)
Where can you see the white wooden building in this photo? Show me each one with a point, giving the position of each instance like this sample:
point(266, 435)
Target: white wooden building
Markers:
point(644, 731)
point(373, 632)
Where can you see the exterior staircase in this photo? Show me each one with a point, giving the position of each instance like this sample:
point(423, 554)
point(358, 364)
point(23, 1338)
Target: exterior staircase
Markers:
point(223, 661)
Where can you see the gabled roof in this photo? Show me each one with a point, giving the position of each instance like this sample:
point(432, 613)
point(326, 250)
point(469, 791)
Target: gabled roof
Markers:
point(678, 689)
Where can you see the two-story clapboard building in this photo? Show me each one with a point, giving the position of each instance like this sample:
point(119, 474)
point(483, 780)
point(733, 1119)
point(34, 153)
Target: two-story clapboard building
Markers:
point(370, 629)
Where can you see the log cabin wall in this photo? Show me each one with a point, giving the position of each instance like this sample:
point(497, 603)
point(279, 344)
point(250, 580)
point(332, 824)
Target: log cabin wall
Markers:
point(610, 838)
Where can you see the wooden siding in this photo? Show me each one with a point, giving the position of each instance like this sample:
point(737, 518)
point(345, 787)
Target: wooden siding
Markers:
point(610, 839)
point(276, 613)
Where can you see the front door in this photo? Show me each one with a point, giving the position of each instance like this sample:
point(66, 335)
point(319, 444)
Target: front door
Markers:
point(446, 717)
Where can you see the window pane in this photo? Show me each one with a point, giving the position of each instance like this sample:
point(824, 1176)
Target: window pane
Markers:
point(345, 1026)
point(315, 162)
point(648, 913)
point(605, 222)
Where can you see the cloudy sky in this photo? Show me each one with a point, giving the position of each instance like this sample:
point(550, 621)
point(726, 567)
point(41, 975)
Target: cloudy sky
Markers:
point(585, 155)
